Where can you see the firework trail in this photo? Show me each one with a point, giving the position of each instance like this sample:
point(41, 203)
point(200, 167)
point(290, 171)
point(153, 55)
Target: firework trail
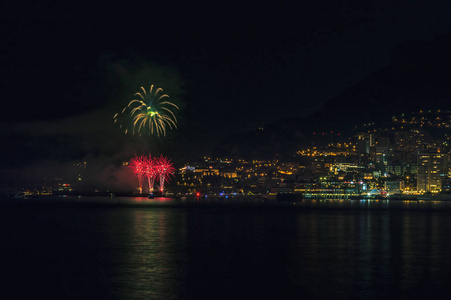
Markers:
point(138, 164)
point(151, 111)
point(165, 170)
point(150, 172)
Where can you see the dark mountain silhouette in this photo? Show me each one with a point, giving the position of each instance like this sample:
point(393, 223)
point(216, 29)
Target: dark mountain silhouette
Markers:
point(418, 76)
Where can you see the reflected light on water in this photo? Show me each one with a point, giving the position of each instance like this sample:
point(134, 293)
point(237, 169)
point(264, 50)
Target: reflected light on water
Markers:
point(148, 251)
point(325, 249)
point(375, 255)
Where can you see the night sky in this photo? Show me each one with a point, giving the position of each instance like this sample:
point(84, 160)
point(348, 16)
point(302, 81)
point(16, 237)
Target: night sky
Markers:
point(68, 66)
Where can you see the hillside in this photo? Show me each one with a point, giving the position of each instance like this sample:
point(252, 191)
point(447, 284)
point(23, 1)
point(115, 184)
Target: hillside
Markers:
point(418, 76)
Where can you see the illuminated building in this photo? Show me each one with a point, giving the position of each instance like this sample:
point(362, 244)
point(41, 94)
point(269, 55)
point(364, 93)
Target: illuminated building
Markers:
point(430, 172)
point(409, 141)
point(383, 155)
point(64, 187)
point(365, 141)
point(228, 174)
point(368, 176)
point(394, 187)
point(206, 171)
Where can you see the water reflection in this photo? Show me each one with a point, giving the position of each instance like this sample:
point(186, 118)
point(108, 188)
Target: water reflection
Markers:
point(373, 254)
point(330, 253)
point(148, 250)
point(309, 203)
point(338, 249)
point(376, 204)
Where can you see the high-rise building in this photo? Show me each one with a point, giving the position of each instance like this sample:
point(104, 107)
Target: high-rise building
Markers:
point(365, 141)
point(432, 168)
point(383, 155)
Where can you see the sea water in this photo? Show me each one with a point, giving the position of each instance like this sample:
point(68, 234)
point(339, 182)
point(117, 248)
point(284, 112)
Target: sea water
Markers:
point(188, 249)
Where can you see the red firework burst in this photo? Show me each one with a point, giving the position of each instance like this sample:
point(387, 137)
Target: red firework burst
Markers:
point(165, 169)
point(159, 168)
point(137, 164)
